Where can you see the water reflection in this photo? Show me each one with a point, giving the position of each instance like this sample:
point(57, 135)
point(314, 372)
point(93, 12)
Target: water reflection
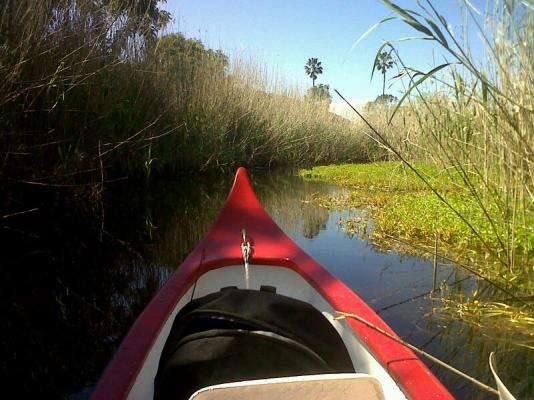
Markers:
point(67, 297)
point(73, 282)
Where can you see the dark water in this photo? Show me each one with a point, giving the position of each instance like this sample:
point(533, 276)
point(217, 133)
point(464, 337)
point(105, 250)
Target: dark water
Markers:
point(73, 280)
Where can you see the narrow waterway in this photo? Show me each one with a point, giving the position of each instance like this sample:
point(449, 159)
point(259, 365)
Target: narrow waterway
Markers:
point(74, 280)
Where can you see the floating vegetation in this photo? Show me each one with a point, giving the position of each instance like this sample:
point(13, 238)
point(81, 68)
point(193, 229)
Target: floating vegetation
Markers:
point(400, 213)
point(489, 317)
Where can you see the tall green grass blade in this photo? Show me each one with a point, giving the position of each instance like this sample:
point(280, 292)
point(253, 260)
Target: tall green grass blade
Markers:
point(472, 7)
point(415, 85)
point(411, 38)
point(420, 27)
point(370, 30)
point(404, 13)
point(438, 32)
point(407, 16)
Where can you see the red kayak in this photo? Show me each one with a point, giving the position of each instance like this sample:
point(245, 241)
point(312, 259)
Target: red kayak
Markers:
point(250, 315)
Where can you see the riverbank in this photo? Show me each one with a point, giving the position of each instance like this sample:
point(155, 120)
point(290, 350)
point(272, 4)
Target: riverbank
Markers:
point(95, 93)
point(407, 214)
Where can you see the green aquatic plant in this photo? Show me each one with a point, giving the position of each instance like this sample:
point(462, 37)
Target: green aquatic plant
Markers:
point(407, 216)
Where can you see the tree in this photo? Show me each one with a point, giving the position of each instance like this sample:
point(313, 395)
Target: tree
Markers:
point(313, 68)
point(383, 62)
point(183, 56)
point(319, 93)
point(386, 99)
point(144, 17)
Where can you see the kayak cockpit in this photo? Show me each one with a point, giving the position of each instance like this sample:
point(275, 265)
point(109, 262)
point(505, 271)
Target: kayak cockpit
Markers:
point(263, 279)
point(237, 335)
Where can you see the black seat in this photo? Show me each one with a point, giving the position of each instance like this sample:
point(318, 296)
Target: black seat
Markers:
point(236, 335)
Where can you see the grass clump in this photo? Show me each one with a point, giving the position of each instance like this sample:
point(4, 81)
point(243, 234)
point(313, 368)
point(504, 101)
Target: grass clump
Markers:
point(385, 175)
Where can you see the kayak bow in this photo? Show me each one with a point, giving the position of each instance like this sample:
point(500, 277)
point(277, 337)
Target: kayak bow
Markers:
point(244, 233)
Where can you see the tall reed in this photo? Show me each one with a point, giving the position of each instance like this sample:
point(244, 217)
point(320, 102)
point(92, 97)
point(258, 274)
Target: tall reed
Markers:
point(91, 93)
point(72, 83)
point(475, 118)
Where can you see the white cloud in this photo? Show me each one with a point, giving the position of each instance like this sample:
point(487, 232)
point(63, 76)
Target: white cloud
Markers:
point(341, 108)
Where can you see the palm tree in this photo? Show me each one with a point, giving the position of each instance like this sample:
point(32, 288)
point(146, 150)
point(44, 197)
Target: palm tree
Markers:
point(313, 68)
point(383, 62)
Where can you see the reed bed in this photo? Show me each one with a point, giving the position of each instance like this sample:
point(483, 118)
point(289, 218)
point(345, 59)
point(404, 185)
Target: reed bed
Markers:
point(479, 124)
point(93, 91)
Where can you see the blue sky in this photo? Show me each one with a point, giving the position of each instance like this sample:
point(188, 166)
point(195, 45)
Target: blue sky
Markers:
point(285, 33)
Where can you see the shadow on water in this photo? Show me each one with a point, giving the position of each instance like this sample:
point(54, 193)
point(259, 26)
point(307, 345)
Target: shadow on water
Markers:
point(73, 281)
